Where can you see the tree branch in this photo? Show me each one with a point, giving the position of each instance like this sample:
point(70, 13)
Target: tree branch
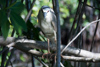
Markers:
point(79, 59)
point(30, 11)
point(26, 45)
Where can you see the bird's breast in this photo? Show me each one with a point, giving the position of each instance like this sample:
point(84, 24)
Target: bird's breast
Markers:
point(46, 27)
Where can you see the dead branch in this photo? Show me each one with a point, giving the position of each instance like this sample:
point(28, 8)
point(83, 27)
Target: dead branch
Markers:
point(79, 59)
point(26, 45)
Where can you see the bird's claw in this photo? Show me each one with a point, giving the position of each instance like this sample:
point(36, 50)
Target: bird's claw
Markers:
point(46, 55)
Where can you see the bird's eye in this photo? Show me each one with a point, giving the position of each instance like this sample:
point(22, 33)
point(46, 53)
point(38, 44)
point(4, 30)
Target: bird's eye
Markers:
point(47, 11)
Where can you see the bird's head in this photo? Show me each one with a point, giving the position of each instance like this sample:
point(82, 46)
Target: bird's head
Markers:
point(45, 10)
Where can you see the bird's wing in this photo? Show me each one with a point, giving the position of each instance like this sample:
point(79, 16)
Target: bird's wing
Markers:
point(54, 26)
point(54, 23)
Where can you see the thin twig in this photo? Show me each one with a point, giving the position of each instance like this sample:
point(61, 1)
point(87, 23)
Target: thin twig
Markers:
point(29, 8)
point(79, 23)
point(93, 7)
point(7, 47)
point(4, 54)
point(30, 11)
point(9, 60)
point(62, 65)
point(76, 16)
point(4, 49)
point(11, 44)
point(94, 36)
point(79, 34)
point(11, 64)
point(41, 61)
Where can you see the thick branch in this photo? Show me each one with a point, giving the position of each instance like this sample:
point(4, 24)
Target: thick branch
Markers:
point(20, 43)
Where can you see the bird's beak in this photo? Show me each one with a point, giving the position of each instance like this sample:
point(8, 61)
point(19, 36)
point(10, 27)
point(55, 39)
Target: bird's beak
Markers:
point(44, 14)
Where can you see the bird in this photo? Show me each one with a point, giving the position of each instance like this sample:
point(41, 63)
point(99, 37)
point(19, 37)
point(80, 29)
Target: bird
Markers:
point(48, 24)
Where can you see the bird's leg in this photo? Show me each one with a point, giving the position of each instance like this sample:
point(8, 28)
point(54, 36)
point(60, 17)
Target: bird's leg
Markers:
point(55, 61)
point(47, 54)
point(55, 36)
point(56, 45)
point(48, 46)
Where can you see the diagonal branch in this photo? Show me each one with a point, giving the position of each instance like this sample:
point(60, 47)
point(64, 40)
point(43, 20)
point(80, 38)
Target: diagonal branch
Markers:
point(79, 34)
point(30, 11)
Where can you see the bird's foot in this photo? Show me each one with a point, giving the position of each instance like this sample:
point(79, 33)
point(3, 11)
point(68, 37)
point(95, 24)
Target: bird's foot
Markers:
point(46, 55)
point(49, 56)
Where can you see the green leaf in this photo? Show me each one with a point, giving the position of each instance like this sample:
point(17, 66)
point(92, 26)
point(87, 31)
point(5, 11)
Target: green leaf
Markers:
point(18, 23)
point(18, 7)
point(5, 29)
point(3, 17)
point(4, 23)
point(22, 58)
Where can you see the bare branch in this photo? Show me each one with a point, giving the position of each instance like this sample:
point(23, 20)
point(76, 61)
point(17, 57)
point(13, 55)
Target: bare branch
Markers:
point(79, 59)
point(79, 34)
point(41, 62)
point(93, 7)
point(28, 50)
point(62, 65)
point(25, 45)
point(30, 11)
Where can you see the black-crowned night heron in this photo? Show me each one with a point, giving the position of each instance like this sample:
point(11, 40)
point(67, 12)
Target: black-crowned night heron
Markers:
point(47, 23)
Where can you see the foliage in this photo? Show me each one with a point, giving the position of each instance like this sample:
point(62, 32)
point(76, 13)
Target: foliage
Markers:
point(11, 16)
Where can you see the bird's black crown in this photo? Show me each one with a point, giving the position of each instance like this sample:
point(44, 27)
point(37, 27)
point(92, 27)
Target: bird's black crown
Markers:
point(43, 7)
